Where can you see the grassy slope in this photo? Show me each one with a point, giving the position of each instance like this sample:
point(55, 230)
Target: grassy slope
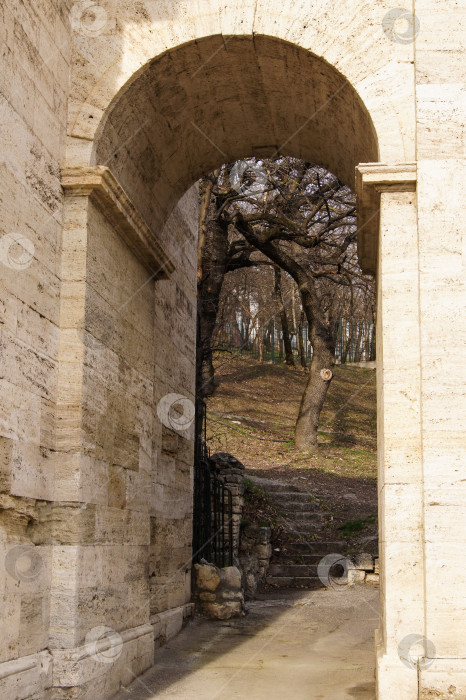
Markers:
point(261, 401)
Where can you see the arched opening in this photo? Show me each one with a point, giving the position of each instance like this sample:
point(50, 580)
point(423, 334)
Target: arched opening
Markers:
point(197, 106)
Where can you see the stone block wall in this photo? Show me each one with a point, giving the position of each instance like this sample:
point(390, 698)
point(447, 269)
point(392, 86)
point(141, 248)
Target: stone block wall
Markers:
point(95, 492)
point(102, 545)
point(35, 45)
point(254, 557)
point(173, 450)
point(231, 471)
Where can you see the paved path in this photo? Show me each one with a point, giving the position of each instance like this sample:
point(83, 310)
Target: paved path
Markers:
point(312, 645)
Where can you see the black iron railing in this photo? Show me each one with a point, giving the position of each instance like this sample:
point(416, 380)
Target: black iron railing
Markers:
point(213, 508)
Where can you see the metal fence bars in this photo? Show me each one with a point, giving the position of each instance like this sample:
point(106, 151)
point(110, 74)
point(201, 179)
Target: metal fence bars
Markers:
point(213, 506)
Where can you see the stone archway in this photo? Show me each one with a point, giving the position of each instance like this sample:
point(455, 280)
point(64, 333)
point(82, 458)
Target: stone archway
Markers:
point(188, 111)
point(121, 304)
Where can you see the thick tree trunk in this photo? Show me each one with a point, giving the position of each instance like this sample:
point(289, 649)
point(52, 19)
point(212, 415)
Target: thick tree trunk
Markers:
point(268, 339)
point(245, 340)
point(320, 376)
point(314, 395)
point(289, 359)
point(210, 280)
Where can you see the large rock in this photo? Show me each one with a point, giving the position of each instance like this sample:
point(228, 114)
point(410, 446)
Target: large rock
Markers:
point(218, 591)
point(223, 611)
point(231, 578)
point(356, 576)
point(206, 577)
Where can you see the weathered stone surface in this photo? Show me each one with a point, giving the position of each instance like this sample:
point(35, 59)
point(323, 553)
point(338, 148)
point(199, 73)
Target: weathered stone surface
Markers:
point(222, 611)
point(251, 574)
point(255, 554)
point(231, 471)
point(218, 591)
point(206, 577)
point(231, 577)
point(362, 561)
point(207, 596)
point(168, 623)
point(90, 343)
point(232, 595)
point(355, 576)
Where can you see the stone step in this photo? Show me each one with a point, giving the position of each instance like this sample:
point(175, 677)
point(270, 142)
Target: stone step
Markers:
point(297, 508)
point(290, 497)
point(303, 529)
point(293, 570)
point(312, 547)
point(291, 510)
point(294, 581)
point(299, 518)
point(296, 559)
point(273, 487)
point(309, 515)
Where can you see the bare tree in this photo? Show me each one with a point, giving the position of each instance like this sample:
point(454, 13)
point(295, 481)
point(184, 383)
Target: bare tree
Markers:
point(301, 219)
point(212, 266)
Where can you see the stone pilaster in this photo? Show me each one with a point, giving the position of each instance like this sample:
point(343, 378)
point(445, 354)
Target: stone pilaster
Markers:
point(387, 196)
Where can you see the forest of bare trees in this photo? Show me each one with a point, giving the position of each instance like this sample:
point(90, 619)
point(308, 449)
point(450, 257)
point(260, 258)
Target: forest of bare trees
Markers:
point(277, 258)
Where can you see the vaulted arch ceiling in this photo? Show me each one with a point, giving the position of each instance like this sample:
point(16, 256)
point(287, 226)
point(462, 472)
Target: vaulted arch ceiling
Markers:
point(217, 100)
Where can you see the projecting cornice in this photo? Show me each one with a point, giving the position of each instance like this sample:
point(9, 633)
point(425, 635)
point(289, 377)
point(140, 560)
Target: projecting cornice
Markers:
point(103, 188)
point(371, 180)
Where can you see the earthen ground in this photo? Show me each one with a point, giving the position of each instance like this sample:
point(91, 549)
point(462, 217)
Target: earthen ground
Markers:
point(252, 415)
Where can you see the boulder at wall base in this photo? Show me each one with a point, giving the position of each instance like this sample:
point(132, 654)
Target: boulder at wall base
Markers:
point(218, 591)
point(222, 611)
point(206, 577)
point(230, 577)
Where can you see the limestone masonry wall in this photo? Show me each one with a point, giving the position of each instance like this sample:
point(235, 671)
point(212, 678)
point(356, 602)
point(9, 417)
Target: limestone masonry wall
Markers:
point(97, 306)
point(35, 43)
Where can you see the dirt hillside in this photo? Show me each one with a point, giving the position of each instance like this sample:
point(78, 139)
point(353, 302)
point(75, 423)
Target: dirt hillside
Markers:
point(252, 416)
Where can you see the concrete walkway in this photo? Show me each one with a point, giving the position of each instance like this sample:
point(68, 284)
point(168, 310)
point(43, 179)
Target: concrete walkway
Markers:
point(310, 645)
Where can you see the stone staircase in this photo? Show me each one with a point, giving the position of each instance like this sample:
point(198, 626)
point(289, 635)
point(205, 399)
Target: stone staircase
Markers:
point(294, 565)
